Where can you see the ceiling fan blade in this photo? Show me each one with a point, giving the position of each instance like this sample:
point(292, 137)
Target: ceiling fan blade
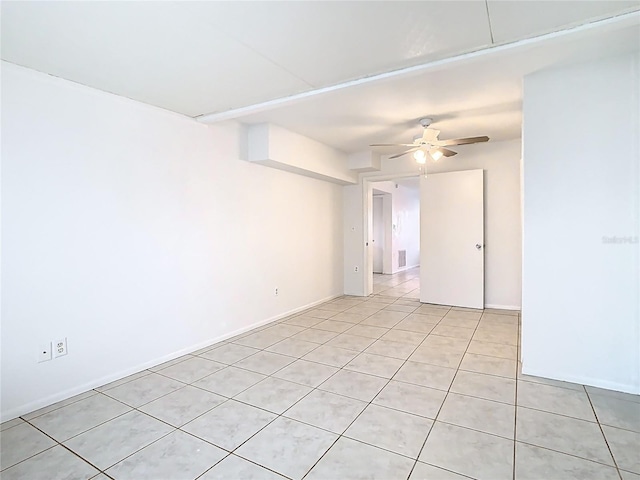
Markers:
point(393, 145)
point(447, 153)
point(460, 141)
point(430, 135)
point(404, 153)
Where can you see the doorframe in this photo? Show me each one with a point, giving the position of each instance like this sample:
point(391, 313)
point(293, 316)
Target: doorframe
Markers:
point(367, 222)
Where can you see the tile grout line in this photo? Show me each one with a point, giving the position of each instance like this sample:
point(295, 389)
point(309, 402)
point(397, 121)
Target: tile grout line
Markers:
point(57, 443)
point(35, 454)
point(424, 443)
point(53, 410)
point(243, 458)
point(145, 446)
point(572, 455)
point(91, 428)
point(606, 441)
point(515, 400)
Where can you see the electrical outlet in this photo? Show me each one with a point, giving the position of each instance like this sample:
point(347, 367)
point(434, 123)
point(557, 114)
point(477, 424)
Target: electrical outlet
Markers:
point(60, 347)
point(276, 291)
point(356, 269)
point(44, 352)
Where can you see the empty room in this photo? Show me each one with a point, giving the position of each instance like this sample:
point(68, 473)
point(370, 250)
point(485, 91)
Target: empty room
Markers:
point(320, 240)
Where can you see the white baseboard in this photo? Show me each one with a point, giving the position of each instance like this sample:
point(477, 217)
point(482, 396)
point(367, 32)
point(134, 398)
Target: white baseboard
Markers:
point(583, 380)
point(409, 267)
point(71, 392)
point(502, 307)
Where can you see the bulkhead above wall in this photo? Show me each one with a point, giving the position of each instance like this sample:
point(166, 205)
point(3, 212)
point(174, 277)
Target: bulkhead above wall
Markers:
point(277, 147)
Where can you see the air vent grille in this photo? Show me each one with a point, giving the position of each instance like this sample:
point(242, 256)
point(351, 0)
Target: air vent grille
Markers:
point(402, 258)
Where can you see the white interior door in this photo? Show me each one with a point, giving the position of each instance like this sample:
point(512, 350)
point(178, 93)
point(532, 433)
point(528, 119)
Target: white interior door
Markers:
point(378, 234)
point(452, 239)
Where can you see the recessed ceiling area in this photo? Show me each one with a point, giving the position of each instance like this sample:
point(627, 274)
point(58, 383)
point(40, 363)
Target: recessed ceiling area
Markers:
point(199, 58)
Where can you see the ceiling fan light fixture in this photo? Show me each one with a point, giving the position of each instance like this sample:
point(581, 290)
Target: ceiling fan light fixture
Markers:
point(436, 155)
point(420, 156)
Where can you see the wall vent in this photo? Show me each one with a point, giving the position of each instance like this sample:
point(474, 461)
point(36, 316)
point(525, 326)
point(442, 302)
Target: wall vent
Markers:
point(402, 258)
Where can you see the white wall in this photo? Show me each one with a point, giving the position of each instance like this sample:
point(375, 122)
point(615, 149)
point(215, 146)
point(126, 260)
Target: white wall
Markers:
point(581, 318)
point(139, 235)
point(501, 164)
point(353, 246)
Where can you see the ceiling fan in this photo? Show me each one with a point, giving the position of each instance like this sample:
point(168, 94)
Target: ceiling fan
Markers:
point(428, 144)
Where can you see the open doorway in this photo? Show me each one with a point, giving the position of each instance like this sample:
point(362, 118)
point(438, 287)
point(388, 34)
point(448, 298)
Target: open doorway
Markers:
point(395, 237)
point(436, 227)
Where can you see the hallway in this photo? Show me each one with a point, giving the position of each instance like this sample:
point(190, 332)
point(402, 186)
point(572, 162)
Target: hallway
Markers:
point(405, 284)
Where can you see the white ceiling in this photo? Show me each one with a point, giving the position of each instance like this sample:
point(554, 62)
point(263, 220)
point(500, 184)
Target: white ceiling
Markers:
point(472, 95)
point(347, 74)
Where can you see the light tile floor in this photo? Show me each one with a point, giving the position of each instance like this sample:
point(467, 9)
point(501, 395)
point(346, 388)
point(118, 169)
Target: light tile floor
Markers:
point(357, 388)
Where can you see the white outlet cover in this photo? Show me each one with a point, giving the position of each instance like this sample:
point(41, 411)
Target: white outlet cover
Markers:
point(60, 347)
point(44, 352)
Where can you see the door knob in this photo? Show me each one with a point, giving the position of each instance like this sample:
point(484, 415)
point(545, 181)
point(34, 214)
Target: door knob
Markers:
point(478, 246)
